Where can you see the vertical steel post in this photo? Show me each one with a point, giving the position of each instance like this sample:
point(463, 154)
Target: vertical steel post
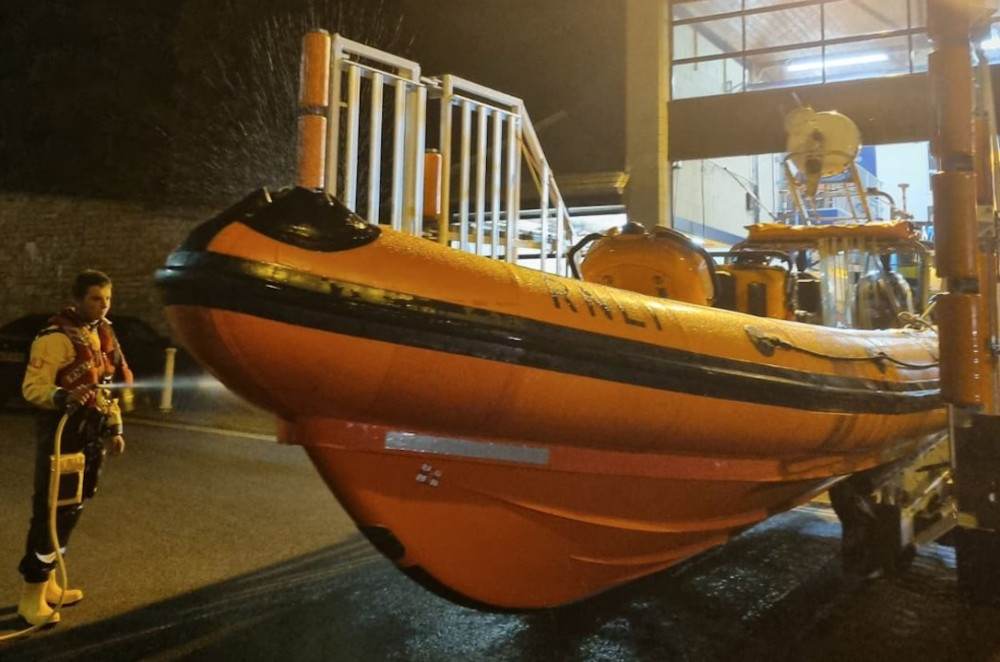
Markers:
point(350, 193)
point(398, 154)
point(562, 226)
point(465, 169)
point(543, 219)
point(167, 395)
point(444, 218)
point(333, 116)
point(513, 184)
point(497, 146)
point(375, 148)
point(480, 176)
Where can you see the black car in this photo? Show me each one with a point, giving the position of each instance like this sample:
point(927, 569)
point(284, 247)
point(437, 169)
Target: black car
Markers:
point(144, 348)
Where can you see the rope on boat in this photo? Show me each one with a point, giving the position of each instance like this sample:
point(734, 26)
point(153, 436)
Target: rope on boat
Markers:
point(766, 344)
point(914, 321)
point(921, 321)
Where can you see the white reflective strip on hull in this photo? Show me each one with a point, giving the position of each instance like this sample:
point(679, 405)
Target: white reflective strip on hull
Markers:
point(486, 450)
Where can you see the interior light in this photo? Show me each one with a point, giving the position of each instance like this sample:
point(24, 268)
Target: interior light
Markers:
point(831, 62)
point(992, 42)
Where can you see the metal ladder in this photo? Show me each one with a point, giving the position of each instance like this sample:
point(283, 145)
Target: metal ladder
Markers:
point(439, 157)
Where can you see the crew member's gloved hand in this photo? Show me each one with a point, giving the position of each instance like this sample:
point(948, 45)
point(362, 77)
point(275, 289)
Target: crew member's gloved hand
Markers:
point(80, 395)
point(117, 445)
point(73, 398)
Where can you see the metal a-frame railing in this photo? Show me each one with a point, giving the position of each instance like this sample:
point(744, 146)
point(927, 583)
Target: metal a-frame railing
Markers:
point(437, 157)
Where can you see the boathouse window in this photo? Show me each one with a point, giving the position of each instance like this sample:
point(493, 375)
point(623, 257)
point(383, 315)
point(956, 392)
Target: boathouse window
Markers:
point(731, 46)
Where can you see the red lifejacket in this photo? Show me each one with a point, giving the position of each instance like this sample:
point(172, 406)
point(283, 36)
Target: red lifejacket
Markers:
point(90, 367)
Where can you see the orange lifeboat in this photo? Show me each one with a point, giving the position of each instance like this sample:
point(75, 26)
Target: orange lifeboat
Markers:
point(515, 439)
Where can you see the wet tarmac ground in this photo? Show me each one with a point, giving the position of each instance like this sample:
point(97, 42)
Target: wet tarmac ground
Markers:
point(209, 546)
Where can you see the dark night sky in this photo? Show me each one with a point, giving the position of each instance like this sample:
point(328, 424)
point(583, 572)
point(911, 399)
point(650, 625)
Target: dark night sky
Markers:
point(562, 57)
point(194, 100)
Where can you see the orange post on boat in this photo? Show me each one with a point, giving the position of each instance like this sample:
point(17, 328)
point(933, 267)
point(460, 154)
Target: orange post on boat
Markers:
point(314, 98)
point(432, 184)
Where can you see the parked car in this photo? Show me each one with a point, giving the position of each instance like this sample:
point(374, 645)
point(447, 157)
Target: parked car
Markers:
point(144, 348)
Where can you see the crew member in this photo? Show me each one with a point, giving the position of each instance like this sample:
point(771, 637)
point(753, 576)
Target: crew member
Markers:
point(882, 295)
point(73, 362)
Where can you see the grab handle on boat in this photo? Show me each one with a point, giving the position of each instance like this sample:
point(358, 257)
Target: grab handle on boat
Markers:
point(571, 256)
point(765, 344)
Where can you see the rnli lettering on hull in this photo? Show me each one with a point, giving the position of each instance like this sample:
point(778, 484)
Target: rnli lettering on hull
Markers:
point(562, 297)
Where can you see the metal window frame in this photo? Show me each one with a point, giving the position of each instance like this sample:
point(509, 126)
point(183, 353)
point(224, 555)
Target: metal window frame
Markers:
point(743, 54)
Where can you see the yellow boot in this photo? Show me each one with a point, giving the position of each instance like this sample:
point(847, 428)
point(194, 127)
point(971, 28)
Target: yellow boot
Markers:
point(33, 607)
point(53, 590)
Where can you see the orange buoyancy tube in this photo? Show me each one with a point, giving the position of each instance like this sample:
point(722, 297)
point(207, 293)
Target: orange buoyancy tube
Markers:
point(370, 325)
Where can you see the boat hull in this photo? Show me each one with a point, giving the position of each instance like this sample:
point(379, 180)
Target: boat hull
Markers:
point(522, 526)
point(523, 440)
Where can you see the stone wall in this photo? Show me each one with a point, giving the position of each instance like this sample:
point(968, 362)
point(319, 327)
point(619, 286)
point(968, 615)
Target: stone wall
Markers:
point(47, 240)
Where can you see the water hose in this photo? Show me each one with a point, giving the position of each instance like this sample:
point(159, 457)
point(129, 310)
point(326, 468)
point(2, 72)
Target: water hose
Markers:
point(54, 475)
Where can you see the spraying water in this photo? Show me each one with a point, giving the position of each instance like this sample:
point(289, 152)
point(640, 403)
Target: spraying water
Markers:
point(234, 127)
point(186, 392)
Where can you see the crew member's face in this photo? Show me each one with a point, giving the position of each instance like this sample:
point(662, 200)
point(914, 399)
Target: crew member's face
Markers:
point(95, 303)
